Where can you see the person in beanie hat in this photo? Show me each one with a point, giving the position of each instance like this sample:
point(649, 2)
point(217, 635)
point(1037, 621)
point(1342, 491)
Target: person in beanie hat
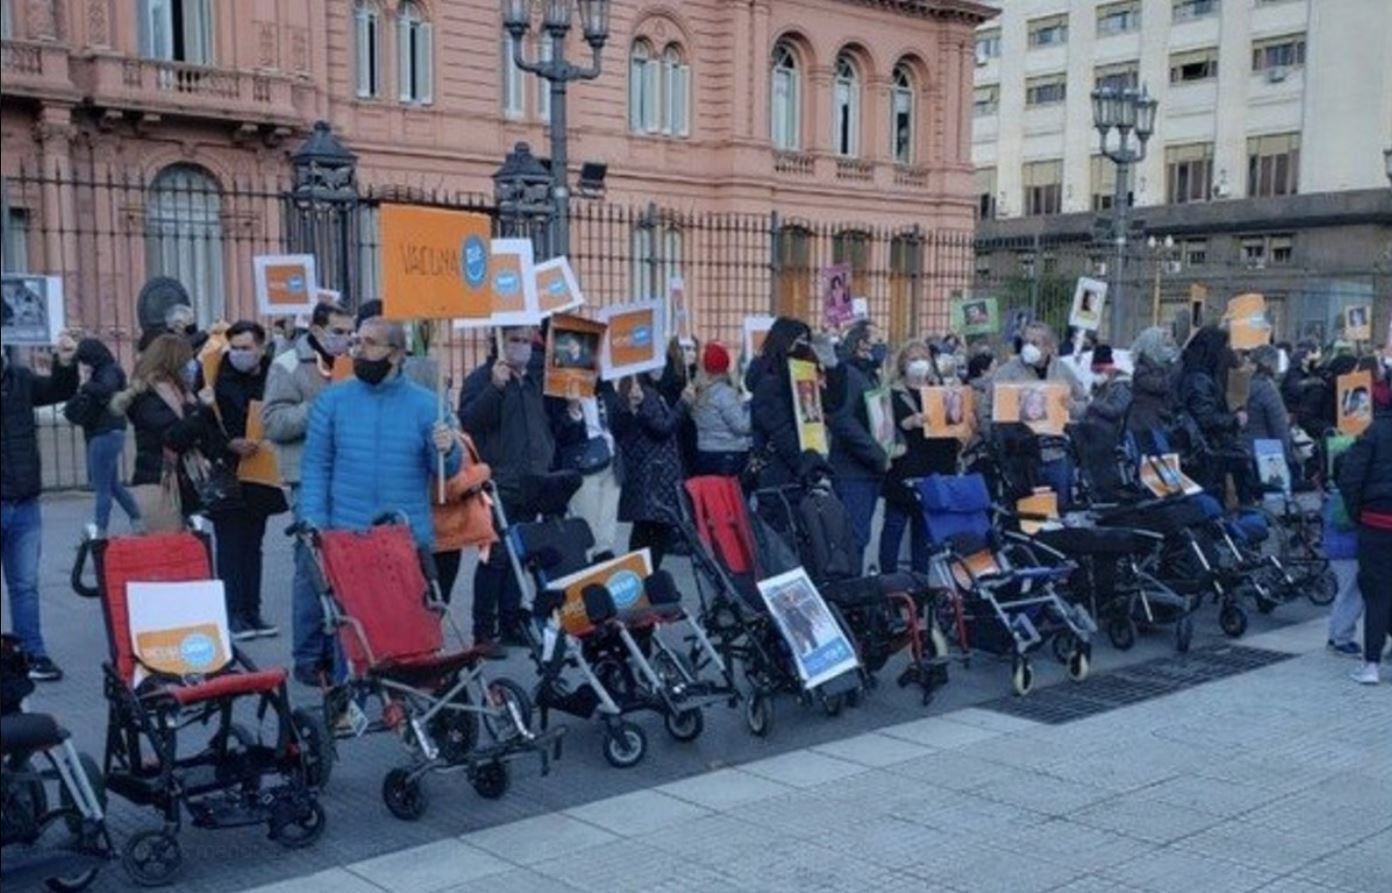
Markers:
point(1111, 394)
point(721, 416)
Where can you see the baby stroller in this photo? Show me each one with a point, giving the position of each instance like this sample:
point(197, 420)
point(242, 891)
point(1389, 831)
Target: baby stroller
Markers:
point(732, 549)
point(619, 629)
point(172, 667)
point(1005, 601)
point(886, 613)
point(381, 596)
point(27, 813)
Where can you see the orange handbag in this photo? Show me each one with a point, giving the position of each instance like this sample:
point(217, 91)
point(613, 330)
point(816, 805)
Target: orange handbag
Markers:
point(465, 519)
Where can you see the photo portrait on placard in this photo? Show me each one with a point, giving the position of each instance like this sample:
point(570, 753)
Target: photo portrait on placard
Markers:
point(819, 646)
point(837, 308)
point(1089, 295)
point(1042, 406)
point(948, 412)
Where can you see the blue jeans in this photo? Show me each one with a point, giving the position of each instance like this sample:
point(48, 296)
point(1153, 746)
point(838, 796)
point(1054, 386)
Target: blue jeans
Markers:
point(21, 545)
point(311, 648)
point(1058, 474)
point(104, 471)
point(896, 519)
point(858, 497)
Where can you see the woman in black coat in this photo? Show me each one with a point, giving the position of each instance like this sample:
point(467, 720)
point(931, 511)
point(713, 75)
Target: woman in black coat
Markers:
point(1203, 386)
point(645, 431)
point(776, 445)
point(104, 432)
point(168, 421)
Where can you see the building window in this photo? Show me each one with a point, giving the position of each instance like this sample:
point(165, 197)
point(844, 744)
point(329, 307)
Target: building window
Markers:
point(852, 246)
point(985, 100)
point(1254, 251)
point(845, 110)
point(983, 265)
point(413, 53)
point(16, 246)
point(1048, 32)
point(6, 30)
point(643, 77)
point(368, 38)
point(986, 193)
point(1185, 10)
point(1273, 165)
point(793, 245)
point(543, 86)
point(1122, 76)
point(1194, 252)
point(1118, 18)
point(177, 30)
point(1103, 180)
point(658, 90)
point(1043, 181)
point(901, 114)
point(183, 235)
point(657, 258)
point(514, 92)
point(1047, 90)
point(1278, 53)
point(988, 46)
point(676, 84)
point(785, 100)
point(1194, 66)
point(1280, 249)
point(1189, 173)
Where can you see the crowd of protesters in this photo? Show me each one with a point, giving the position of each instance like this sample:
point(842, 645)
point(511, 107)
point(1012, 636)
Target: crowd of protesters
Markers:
point(375, 442)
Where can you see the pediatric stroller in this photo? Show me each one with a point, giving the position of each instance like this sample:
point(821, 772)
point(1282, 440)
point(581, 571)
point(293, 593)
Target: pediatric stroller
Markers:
point(732, 549)
point(172, 666)
point(381, 596)
point(886, 613)
point(620, 633)
point(1005, 601)
point(27, 814)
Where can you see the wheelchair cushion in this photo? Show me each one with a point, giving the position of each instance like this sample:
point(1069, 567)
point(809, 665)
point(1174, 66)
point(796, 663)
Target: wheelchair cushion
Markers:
point(860, 592)
point(561, 547)
point(599, 604)
point(231, 685)
point(26, 732)
point(662, 589)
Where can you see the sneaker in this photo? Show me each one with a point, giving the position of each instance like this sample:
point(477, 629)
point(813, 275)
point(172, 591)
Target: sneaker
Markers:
point(489, 649)
point(1364, 675)
point(42, 669)
point(242, 631)
point(1348, 649)
point(260, 628)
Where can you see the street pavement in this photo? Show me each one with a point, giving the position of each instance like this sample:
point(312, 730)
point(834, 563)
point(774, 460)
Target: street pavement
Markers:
point(825, 803)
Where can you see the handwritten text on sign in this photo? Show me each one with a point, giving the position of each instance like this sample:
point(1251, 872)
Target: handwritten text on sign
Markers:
point(435, 263)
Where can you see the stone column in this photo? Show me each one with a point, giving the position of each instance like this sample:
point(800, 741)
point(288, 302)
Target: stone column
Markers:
point(54, 133)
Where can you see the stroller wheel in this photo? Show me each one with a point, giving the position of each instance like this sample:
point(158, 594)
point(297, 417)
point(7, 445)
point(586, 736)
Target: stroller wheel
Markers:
point(404, 796)
point(1064, 643)
point(492, 780)
point(1079, 665)
point(302, 830)
point(1233, 621)
point(1022, 676)
point(1321, 587)
point(152, 857)
point(72, 883)
point(625, 745)
point(685, 725)
point(832, 704)
point(1122, 633)
point(317, 746)
point(515, 707)
point(1184, 634)
point(758, 714)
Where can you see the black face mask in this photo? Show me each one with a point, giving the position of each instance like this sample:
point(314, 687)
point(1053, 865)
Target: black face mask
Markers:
point(372, 372)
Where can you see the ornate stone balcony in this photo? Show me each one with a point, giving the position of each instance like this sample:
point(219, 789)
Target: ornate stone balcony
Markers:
point(35, 68)
point(855, 170)
point(161, 87)
point(796, 164)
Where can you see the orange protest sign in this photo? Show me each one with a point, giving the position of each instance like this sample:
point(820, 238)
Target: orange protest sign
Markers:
point(435, 263)
point(261, 467)
point(1043, 406)
point(556, 286)
point(572, 356)
point(949, 412)
point(634, 341)
point(1248, 326)
point(286, 284)
point(622, 576)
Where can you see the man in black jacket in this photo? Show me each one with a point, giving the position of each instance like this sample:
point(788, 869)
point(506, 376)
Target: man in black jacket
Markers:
point(1364, 476)
point(21, 479)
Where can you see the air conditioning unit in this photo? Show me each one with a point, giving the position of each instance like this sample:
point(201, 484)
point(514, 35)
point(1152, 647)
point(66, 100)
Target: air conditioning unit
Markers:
point(1276, 74)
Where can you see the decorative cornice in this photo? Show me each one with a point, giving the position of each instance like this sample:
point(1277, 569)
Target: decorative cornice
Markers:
point(965, 11)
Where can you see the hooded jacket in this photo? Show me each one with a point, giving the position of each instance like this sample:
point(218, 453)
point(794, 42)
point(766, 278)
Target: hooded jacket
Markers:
point(21, 391)
point(107, 380)
point(1364, 473)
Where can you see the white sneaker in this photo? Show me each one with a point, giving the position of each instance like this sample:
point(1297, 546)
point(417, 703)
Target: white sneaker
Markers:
point(1366, 675)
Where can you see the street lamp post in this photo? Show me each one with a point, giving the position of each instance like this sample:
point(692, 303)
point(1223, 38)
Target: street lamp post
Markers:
point(1125, 111)
point(1387, 161)
point(556, 15)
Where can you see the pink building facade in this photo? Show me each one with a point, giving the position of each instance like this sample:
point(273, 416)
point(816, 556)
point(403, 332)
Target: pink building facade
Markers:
point(127, 117)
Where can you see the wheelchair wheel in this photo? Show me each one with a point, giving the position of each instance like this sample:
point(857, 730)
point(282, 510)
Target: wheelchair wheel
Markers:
point(511, 698)
point(404, 795)
point(1233, 621)
point(72, 883)
point(1022, 676)
point(1063, 644)
point(832, 704)
point(1321, 587)
point(492, 780)
point(625, 745)
point(317, 746)
point(1121, 632)
point(152, 857)
point(685, 725)
point(758, 714)
point(1079, 665)
point(302, 830)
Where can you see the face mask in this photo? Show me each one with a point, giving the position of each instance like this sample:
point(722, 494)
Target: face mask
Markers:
point(517, 355)
point(878, 353)
point(372, 372)
point(243, 360)
point(1031, 355)
point(688, 350)
point(334, 345)
point(1282, 362)
point(191, 373)
point(917, 370)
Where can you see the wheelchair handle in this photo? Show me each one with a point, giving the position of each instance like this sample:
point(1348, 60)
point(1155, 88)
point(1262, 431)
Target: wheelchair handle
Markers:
point(84, 550)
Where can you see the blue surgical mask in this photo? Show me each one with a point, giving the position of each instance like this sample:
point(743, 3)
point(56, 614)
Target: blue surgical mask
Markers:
point(878, 353)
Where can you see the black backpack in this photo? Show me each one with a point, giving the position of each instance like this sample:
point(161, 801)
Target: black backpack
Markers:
point(84, 410)
point(830, 550)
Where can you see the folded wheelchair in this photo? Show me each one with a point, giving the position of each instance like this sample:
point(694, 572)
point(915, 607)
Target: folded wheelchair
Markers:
point(380, 595)
point(1005, 598)
point(634, 646)
point(173, 740)
point(38, 755)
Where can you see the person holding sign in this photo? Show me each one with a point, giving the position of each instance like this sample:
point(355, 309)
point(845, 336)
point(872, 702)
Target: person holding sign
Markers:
point(721, 417)
point(1267, 418)
point(857, 459)
point(1207, 360)
point(645, 428)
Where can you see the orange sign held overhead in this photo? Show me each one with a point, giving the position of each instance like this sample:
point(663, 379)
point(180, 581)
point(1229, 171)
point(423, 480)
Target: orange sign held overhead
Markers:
point(1248, 326)
point(435, 263)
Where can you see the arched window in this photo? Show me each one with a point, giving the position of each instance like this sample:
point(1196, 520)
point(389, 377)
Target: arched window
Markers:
point(368, 49)
point(676, 83)
point(643, 77)
point(901, 115)
point(658, 249)
point(183, 235)
point(413, 53)
point(845, 113)
point(785, 99)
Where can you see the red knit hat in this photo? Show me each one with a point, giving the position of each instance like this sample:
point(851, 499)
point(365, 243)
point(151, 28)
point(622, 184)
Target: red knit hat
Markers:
point(715, 359)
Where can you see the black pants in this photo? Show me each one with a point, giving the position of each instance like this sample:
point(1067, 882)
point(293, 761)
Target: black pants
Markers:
point(720, 463)
point(655, 536)
point(1375, 582)
point(497, 599)
point(239, 536)
point(447, 570)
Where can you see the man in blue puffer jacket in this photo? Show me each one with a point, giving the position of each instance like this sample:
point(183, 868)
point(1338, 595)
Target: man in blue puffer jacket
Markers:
point(374, 442)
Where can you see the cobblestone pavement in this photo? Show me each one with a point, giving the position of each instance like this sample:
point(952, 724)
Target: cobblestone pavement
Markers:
point(688, 804)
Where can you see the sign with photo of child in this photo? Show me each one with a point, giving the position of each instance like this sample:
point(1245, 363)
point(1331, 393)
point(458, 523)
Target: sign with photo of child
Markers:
point(572, 356)
point(1042, 406)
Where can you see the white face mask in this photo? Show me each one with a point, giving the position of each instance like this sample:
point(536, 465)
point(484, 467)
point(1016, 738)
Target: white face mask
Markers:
point(1031, 355)
point(917, 371)
point(1282, 362)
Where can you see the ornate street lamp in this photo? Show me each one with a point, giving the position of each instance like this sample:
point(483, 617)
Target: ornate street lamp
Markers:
point(556, 22)
point(324, 200)
point(522, 191)
point(1131, 113)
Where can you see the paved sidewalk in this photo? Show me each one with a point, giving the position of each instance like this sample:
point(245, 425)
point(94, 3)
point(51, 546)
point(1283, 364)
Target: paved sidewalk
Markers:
point(1278, 779)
